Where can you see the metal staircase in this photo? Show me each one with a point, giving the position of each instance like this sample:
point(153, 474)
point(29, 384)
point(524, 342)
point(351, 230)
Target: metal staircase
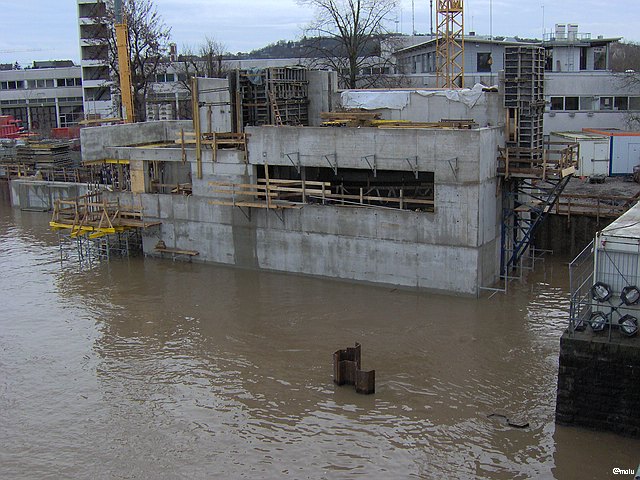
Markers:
point(526, 204)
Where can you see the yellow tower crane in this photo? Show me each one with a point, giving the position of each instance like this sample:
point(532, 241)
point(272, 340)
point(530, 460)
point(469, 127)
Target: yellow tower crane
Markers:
point(450, 43)
point(124, 63)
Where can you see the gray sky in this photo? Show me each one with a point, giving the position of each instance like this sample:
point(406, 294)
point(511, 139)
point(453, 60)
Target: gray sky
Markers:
point(46, 29)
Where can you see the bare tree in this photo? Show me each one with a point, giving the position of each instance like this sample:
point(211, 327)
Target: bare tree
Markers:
point(208, 62)
point(346, 36)
point(625, 63)
point(148, 37)
point(212, 54)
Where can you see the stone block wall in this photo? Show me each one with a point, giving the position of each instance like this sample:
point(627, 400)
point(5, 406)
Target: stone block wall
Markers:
point(599, 382)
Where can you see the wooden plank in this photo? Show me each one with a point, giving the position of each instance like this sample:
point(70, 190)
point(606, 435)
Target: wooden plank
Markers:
point(177, 251)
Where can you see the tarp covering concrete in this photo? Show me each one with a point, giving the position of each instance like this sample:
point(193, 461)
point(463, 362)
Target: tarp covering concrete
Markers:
point(398, 100)
point(370, 100)
point(468, 96)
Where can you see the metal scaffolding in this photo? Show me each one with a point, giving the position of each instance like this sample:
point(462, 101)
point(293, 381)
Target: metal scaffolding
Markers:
point(534, 177)
point(88, 252)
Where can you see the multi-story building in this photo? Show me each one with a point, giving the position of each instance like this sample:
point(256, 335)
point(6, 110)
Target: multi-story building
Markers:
point(94, 55)
point(45, 96)
point(580, 90)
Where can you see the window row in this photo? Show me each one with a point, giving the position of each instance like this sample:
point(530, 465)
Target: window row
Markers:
point(40, 83)
point(591, 103)
point(22, 101)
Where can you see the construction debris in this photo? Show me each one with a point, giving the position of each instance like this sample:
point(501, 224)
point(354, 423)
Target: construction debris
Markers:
point(370, 119)
point(44, 154)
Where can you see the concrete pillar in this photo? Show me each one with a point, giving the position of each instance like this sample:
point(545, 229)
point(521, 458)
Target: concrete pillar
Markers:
point(139, 176)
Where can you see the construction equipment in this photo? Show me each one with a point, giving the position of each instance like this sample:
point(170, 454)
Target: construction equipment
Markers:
point(124, 63)
point(11, 127)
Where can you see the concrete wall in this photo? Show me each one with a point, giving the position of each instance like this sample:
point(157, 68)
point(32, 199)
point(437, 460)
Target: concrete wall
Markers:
point(322, 87)
point(598, 382)
point(215, 115)
point(96, 140)
point(486, 111)
point(382, 246)
point(456, 156)
point(454, 249)
point(41, 195)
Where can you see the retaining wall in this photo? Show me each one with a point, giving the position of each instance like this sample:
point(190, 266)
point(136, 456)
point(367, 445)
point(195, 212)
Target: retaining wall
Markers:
point(598, 382)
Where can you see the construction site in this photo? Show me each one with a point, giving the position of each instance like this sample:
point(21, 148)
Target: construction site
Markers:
point(442, 189)
point(439, 189)
point(431, 209)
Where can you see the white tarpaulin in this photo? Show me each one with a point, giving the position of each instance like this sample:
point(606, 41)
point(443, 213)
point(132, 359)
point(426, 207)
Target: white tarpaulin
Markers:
point(375, 100)
point(468, 96)
point(398, 100)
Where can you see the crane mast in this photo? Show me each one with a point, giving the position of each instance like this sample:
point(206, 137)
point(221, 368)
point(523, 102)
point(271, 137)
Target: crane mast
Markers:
point(450, 43)
point(124, 63)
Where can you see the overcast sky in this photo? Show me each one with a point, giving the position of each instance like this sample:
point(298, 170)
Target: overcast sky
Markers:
point(47, 29)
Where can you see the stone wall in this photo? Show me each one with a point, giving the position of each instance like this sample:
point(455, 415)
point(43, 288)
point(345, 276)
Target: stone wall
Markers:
point(598, 382)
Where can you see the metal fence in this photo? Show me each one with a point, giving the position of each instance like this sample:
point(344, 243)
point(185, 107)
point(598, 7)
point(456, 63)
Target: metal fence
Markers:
point(580, 282)
point(605, 292)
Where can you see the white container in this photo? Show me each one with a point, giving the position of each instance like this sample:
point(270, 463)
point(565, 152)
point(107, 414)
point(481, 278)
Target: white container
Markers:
point(625, 149)
point(593, 155)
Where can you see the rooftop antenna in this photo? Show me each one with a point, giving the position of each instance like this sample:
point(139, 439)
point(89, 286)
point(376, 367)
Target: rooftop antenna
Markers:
point(431, 15)
point(543, 22)
point(490, 19)
point(413, 16)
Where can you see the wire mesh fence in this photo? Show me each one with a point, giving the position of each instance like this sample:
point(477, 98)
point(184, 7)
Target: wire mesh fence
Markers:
point(581, 281)
point(605, 297)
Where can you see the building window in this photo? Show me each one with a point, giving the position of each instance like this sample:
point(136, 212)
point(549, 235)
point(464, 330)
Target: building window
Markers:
point(71, 115)
point(11, 85)
point(634, 103)
point(484, 62)
point(599, 58)
point(40, 83)
point(571, 103)
point(586, 103)
point(557, 103)
point(621, 103)
point(69, 82)
point(606, 103)
point(165, 77)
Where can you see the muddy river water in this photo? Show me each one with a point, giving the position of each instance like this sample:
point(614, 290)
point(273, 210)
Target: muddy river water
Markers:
point(144, 368)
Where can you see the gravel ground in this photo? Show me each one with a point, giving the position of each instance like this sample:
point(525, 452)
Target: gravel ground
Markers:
point(623, 186)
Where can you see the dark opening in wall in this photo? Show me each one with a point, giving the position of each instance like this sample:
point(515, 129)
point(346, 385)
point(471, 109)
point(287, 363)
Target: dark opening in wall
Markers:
point(386, 188)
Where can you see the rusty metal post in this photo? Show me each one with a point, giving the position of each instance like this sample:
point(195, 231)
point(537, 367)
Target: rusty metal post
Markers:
point(346, 370)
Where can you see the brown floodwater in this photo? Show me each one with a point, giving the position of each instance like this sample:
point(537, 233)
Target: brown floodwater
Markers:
point(143, 368)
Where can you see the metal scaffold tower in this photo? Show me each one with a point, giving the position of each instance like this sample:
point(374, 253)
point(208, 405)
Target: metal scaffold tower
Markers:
point(450, 43)
point(88, 252)
point(534, 177)
point(92, 228)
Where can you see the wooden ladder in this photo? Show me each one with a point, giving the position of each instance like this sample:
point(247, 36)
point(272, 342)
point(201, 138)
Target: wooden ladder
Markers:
point(276, 111)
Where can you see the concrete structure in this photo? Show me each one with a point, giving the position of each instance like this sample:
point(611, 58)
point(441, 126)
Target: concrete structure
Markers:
point(40, 196)
point(451, 247)
point(46, 96)
point(428, 105)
